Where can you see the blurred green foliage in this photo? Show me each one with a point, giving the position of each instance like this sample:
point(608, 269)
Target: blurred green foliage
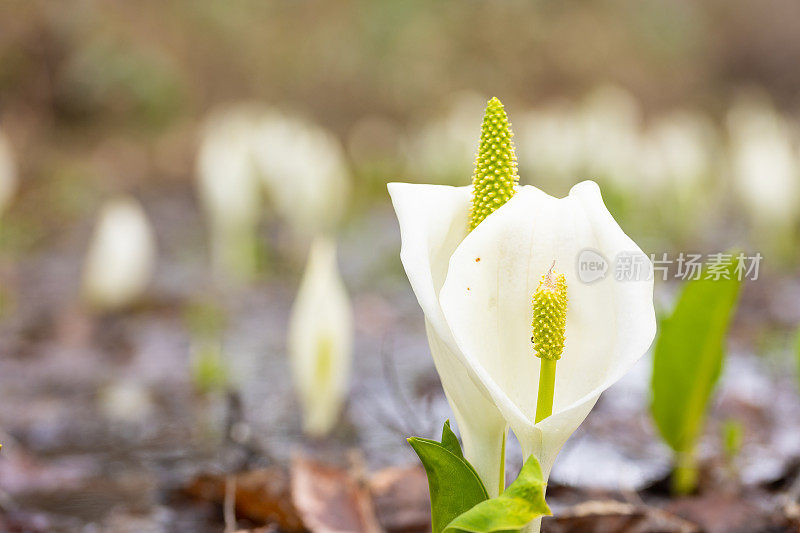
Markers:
point(107, 76)
point(688, 359)
point(732, 438)
point(797, 353)
point(76, 76)
point(209, 372)
point(205, 319)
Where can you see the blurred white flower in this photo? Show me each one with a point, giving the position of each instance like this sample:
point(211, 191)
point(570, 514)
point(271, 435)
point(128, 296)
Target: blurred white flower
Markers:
point(599, 137)
point(764, 162)
point(320, 341)
point(126, 402)
point(121, 256)
point(610, 123)
point(444, 149)
point(8, 173)
point(229, 189)
point(303, 170)
point(678, 154)
point(549, 143)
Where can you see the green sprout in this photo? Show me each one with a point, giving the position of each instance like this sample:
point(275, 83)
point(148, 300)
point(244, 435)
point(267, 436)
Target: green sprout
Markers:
point(688, 359)
point(206, 324)
point(732, 437)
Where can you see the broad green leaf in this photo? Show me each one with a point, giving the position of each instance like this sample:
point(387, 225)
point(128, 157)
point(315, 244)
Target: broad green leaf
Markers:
point(520, 503)
point(450, 441)
point(453, 483)
point(689, 354)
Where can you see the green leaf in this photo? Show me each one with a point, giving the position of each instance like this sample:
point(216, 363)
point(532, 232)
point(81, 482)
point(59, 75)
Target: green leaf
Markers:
point(450, 441)
point(688, 356)
point(522, 502)
point(454, 485)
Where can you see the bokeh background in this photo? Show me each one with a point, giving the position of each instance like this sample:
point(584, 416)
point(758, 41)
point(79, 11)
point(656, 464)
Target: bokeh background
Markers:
point(686, 113)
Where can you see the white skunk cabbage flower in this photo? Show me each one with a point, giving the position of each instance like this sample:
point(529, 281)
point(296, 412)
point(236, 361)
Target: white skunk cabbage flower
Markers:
point(229, 190)
point(679, 151)
point(764, 161)
point(678, 157)
point(320, 342)
point(599, 136)
point(550, 142)
point(610, 123)
point(443, 150)
point(476, 288)
point(610, 324)
point(303, 170)
point(8, 173)
point(121, 257)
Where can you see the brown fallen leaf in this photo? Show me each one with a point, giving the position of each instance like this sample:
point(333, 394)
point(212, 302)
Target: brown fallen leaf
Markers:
point(331, 499)
point(721, 513)
point(400, 495)
point(262, 496)
point(607, 516)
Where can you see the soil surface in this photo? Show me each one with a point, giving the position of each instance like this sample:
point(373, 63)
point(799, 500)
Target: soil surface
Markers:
point(103, 429)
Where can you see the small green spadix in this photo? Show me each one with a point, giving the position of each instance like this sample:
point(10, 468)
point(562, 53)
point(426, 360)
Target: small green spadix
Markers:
point(549, 333)
point(550, 316)
point(495, 173)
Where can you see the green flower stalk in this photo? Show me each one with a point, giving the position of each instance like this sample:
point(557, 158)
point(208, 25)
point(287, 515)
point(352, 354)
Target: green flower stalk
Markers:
point(495, 175)
point(549, 333)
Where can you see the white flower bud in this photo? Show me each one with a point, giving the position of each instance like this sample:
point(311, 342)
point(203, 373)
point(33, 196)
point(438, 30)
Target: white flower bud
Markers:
point(8, 173)
point(121, 256)
point(321, 340)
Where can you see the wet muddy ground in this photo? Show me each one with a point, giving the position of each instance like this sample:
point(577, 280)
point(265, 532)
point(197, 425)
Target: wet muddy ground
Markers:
point(103, 429)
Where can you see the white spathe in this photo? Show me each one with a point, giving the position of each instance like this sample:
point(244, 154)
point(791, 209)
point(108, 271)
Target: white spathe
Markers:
point(121, 256)
point(598, 136)
point(229, 188)
point(443, 149)
point(8, 173)
point(433, 222)
point(475, 290)
point(677, 154)
point(303, 170)
point(765, 162)
point(320, 342)
point(550, 142)
point(610, 122)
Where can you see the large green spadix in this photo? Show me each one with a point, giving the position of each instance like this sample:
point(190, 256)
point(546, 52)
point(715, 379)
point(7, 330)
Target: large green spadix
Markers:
point(495, 166)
